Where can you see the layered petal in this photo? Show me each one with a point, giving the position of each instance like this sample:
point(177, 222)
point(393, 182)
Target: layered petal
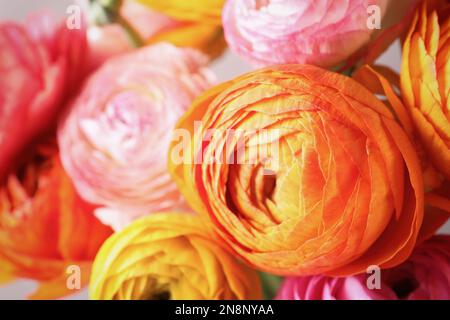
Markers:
point(323, 33)
point(169, 256)
point(45, 227)
point(41, 67)
point(205, 11)
point(425, 81)
point(424, 276)
point(316, 176)
point(437, 197)
point(115, 138)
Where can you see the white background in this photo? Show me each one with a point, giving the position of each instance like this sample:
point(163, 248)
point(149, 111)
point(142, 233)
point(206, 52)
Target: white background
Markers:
point(226, 67)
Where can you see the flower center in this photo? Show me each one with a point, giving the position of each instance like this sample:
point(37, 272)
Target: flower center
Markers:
point(162, 295)
point(123, 124)
point(404, 287)
point(402, 281)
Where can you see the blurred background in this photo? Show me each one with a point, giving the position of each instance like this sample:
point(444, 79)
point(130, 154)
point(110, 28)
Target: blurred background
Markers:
point(226, 67)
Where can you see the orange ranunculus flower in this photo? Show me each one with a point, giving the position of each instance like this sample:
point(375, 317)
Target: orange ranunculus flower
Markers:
point(425, 80)
point(381, 81)
point(343, 191)
point(169, 256)
point(44, 226)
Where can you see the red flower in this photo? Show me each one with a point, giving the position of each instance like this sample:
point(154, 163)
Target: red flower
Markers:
point(41, 64)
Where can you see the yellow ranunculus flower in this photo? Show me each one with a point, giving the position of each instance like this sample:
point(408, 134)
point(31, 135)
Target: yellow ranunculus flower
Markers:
point(195, 24)
point(169, 256)
point(207, 11)
point(425, 80)
point(204, 37)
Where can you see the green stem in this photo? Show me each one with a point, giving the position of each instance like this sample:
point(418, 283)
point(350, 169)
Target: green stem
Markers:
point(105, 12)
point(134, 36)
point(270, 284)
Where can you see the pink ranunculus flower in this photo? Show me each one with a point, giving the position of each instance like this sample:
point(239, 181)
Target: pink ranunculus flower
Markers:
point(424, 276)
point(114, 141)
point(42, 63)
point(112, 39)
point(322, 33)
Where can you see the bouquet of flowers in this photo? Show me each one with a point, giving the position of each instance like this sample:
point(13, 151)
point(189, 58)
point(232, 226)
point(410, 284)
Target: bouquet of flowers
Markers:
point(126, 167)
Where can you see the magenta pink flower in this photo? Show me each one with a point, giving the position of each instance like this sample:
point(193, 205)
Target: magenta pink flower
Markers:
point(41, 64)
point(114, 141)
point(319, 32)
point(424, 276)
